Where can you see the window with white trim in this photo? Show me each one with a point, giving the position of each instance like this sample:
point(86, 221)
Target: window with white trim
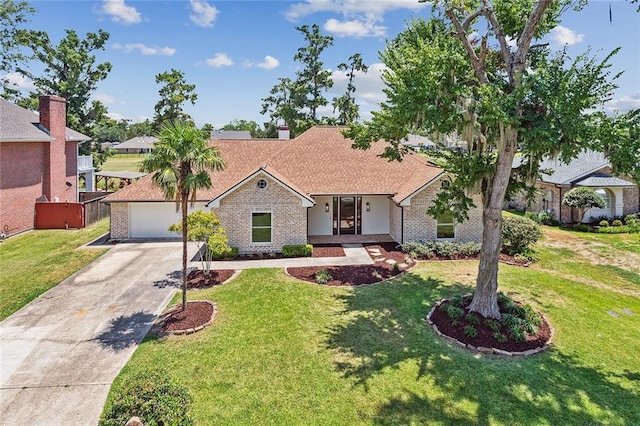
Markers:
point(445, 226)
point(261, 227)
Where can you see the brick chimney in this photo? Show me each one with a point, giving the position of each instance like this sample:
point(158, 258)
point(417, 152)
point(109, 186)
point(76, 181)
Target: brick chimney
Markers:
point(61, 170)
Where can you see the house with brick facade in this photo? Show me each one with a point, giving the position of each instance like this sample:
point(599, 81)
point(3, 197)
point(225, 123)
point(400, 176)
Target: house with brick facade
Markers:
point(313, 188)
point(590, 169)
point(38, 161)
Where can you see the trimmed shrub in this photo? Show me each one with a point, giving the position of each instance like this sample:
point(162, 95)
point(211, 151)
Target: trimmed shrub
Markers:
point(533, 216)
point(297, 250)
point(442, 249)
point(519, 234)
point(582, 228)
point(603, 223)
point(624, 229)
point(230, 253)
point(616, 222)
point(154, 397)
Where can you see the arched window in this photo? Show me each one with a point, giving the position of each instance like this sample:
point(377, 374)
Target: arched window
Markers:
point(605, 195)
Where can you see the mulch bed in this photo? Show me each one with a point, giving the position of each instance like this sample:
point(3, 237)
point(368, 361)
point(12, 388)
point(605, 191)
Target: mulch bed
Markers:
point(358, 274)
point(328, 250)
point(485, 334)
point(195, 315)
point(198, 280)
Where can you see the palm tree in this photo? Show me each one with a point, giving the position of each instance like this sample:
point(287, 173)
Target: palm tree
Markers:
point(180, 163)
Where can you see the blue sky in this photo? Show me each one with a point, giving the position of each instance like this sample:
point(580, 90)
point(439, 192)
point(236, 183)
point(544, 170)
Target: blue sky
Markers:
point(234, 51)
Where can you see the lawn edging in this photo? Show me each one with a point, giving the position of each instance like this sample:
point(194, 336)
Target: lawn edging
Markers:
point(482, 349)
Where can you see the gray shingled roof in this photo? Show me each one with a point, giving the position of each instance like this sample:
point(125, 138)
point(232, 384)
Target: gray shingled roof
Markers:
point(18, 124)
point(139, 142)
point(603, 180)
point(231, 134)
point(586, 163)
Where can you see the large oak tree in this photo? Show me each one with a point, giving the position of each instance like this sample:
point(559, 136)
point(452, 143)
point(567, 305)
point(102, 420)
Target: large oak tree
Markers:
point(474, 70)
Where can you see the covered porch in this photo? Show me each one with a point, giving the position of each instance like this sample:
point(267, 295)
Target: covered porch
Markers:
point(349, 239)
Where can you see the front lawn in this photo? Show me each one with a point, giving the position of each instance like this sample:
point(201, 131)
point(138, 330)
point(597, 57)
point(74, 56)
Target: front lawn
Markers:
point(284, 351)
point(32, 263)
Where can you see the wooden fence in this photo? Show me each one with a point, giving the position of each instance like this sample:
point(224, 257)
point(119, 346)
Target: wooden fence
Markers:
point(72, 215)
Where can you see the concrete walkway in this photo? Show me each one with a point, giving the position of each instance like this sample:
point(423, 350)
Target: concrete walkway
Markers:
point(355, 254)
point(60, 353)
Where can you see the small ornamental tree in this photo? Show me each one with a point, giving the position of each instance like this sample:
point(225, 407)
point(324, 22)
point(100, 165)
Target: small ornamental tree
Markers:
point(203, 229)
point(519, 234)
point(582, 198)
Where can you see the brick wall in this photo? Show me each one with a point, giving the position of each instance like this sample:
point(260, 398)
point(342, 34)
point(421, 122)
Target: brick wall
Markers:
point(62, 162)
point(119, 221)
point(419, 226)
point(395, 221)
point(288, 216)
point(21, 183)
point(631, 200)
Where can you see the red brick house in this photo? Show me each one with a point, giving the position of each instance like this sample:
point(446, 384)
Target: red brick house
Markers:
point(38, 161)
point(313, 188)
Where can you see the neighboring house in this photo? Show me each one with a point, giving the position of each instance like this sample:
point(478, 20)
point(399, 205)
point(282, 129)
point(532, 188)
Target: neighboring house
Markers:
point(590, 169)
point(313, 188)
point(231, 134)
point(137, 145)
point(38, 161)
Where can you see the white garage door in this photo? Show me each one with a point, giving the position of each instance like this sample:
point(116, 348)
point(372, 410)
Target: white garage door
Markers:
point(152, 220)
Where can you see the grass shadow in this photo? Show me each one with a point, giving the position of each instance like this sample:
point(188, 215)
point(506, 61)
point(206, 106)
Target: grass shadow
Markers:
point(126, 331)
point(384, 331)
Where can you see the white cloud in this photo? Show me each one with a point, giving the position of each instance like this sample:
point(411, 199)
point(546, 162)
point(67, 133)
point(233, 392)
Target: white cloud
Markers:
point(145, 50)
point(357, 29)
point(202, 13)
point(371, 9)
point(106, 99)
point(131, 118)
point(269, 63)
point(120, 12)
point(563, 35)
point(624, 103)
point(361, 18)
point(18, 81)
point(219, 60)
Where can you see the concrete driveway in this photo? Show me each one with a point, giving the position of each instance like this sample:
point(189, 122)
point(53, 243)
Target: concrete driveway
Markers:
point(60, 353)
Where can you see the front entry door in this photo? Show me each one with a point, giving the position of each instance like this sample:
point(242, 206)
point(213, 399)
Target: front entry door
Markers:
point(347, 215)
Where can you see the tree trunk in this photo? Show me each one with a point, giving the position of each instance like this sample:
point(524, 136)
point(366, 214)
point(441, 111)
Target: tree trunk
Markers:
point(183, 208)
point(485, 298)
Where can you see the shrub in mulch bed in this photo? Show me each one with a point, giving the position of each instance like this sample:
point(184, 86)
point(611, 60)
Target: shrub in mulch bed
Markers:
point(520, 329)
point(358, 274)
point(346, 275)
point(197, 279)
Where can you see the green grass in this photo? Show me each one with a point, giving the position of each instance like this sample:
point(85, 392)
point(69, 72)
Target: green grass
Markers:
point(122, 162)
point(288, 352)
point(32, 263)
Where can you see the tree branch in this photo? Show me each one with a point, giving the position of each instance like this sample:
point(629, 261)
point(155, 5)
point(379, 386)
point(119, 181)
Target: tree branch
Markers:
point(524, 41)
point(502, 40)
point(479, 70)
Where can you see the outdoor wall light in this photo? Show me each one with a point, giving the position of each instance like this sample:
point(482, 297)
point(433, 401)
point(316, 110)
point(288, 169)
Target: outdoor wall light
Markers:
point(326, 207)
point(367, 206)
